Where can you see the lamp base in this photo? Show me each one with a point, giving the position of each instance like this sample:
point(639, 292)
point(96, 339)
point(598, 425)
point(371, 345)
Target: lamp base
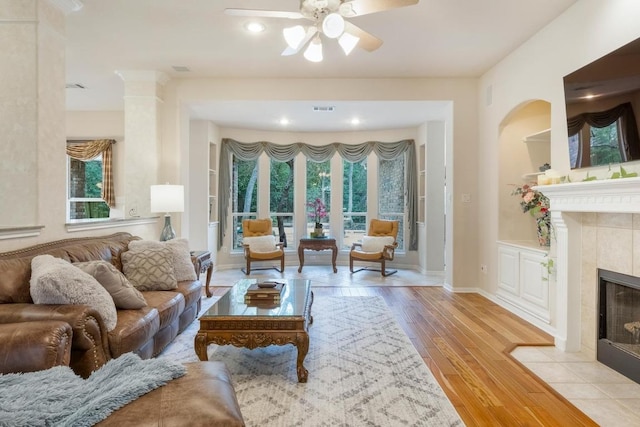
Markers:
point(168, 232)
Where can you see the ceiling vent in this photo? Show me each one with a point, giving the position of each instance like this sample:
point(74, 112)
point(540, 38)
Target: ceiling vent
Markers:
point(324, 109)
point(180, 68)
point(74, 86)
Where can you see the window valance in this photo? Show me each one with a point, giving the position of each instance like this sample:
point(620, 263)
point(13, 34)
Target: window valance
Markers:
point(350, 152)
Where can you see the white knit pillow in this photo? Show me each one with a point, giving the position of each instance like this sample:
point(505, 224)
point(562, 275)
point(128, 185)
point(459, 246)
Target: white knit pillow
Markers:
point(55, 281)
point(182, 266)
point(376, 243)
point(261, 243)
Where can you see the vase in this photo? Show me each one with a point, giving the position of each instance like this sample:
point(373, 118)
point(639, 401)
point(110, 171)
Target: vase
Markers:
point(544, 230)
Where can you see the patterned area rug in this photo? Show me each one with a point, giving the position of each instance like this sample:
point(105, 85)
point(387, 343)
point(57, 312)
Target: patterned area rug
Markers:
point(363, 371)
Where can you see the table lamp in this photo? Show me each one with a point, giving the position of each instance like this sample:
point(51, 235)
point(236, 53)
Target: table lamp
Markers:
point(167, 198)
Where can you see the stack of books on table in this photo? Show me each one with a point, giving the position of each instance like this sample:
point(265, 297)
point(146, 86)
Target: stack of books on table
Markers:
point(264, 294)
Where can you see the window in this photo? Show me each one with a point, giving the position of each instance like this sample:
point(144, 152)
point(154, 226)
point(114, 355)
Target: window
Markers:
point(391, 190)
point(354, 201)
point(244, 196)
point(603, 147)
point(281, 199)
point(84, 187)
point(319, 188)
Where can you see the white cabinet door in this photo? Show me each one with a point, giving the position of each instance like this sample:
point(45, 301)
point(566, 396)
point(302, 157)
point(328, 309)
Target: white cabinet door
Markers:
point(534, 285)
point(509, 265)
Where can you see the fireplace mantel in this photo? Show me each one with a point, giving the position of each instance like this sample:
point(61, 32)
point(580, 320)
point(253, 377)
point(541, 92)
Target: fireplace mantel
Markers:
point(608, 195)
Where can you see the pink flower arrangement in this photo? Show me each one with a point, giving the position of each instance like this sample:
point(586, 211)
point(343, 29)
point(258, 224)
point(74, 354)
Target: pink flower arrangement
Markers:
point(319, 210)
point(532, 201)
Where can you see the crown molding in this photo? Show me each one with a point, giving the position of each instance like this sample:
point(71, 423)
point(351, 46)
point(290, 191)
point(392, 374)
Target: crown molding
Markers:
point(67, 6)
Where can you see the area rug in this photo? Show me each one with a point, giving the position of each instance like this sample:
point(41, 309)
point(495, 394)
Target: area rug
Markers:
point(59, 397)
point(363, 371)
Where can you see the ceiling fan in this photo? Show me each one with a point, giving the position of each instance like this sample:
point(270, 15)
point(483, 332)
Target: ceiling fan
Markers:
point(328, 19)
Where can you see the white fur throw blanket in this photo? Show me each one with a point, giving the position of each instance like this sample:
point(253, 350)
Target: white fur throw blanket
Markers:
point(59, 397)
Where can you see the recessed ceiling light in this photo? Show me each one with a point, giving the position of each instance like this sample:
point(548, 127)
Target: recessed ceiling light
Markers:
point(284, 121)
point(355, 121)
point(255, 27)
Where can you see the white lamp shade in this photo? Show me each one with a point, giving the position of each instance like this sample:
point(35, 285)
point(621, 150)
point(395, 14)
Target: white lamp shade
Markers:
point(294, 36)
point(167, 198)
point(314, 51)
point(348, 42)
point(333, 25)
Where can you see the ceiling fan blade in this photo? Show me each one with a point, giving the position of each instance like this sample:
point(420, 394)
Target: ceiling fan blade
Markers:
point(264, 13)
point(365, 7)
point(311, 31)
point(367, 41)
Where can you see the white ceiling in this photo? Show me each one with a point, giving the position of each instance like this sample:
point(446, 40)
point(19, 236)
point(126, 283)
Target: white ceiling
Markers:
point(435, 38)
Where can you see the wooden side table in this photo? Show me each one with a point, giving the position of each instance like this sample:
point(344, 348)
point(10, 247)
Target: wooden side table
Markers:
point(202, 262)
point(318, 244)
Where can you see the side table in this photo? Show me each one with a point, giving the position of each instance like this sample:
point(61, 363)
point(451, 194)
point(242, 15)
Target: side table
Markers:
point(202, 262)
point(318, 244)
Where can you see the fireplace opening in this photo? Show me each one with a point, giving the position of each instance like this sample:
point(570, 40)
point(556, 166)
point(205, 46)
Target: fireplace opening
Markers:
point(619, 322)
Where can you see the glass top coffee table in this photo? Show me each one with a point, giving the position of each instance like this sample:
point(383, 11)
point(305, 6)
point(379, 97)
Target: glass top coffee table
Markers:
point(232, 322)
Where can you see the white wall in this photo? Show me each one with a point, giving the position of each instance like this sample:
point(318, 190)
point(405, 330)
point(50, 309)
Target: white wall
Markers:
point(586, 31)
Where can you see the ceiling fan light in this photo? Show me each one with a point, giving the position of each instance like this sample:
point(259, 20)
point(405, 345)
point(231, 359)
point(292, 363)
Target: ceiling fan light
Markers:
point(348, 42)
point(294, 36)
point(333, 25)
point(313, 52)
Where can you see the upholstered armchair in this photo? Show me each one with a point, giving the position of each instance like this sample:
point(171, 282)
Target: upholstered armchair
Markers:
point(260, 244)
point(378, 246)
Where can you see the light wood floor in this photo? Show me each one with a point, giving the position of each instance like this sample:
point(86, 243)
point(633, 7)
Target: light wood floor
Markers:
point(465, 340)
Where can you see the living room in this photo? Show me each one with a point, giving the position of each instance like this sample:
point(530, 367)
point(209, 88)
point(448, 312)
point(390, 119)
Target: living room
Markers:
point(480, 105)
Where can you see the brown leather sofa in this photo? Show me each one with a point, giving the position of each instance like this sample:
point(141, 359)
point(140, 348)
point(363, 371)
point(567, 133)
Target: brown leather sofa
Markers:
point(203, 397)
point(146, 331)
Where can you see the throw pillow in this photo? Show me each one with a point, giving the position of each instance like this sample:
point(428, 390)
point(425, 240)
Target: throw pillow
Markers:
point(55, 281)
point(124, 295)
point(149, 269)
point(182, 265)
point(376, 244)
point(261, 243)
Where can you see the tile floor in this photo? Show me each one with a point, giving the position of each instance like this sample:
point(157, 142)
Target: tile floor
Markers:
point(607, 397)
point(324, 276)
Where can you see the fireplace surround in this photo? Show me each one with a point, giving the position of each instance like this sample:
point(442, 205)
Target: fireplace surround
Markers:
point(571, 204)
point(619, 322)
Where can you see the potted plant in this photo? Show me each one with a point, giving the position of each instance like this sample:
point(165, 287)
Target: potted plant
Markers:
point(318, 210)
point(537, 204)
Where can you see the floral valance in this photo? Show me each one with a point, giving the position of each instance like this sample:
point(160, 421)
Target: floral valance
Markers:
point(350, 152)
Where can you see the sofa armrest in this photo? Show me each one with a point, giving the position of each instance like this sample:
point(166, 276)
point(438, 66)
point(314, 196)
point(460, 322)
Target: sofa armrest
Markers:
point(34, 346)
point(89, 345)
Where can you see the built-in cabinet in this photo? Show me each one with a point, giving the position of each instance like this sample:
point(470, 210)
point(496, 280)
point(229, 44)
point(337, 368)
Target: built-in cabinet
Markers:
point(523, 279)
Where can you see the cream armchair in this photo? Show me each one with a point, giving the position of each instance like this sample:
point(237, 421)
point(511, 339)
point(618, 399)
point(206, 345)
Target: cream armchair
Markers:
point(378, 245)
point(260, 244)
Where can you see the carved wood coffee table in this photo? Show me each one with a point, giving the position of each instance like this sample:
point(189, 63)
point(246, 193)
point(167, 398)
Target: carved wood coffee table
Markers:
point(231, 321)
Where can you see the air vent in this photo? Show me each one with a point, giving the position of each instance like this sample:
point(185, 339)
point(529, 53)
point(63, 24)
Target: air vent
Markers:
point(324, 109)
point(180, 68)
point(74, 86)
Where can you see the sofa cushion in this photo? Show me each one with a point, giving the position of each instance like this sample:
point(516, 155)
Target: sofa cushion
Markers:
point(375, 243)
point(182, 265)
point(124, 295)
point(149, 269)
point(133, 330)
point(55, 281)
point(169, 305)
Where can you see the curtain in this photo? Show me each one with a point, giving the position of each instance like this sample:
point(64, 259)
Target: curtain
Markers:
point(628, 132)
point(87, 150)
point(352, 153)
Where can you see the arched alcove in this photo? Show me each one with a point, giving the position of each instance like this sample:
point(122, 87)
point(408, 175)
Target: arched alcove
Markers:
point(524, 141)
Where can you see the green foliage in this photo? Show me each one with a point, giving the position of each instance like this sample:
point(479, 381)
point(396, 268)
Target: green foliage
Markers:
point(245, 174)
point(281, 186)
point(93, 179)
point(548, 265)
point(604, 145)
point(589, 178)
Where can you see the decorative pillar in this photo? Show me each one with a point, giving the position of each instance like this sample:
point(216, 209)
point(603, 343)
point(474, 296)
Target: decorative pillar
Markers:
point(32, 112)
point(143, 100)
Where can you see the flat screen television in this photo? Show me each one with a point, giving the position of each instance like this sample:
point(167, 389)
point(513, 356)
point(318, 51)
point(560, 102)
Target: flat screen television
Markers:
point(602, 102)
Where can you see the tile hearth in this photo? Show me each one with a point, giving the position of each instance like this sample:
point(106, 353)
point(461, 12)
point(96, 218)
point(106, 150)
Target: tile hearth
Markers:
point(607, 397)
